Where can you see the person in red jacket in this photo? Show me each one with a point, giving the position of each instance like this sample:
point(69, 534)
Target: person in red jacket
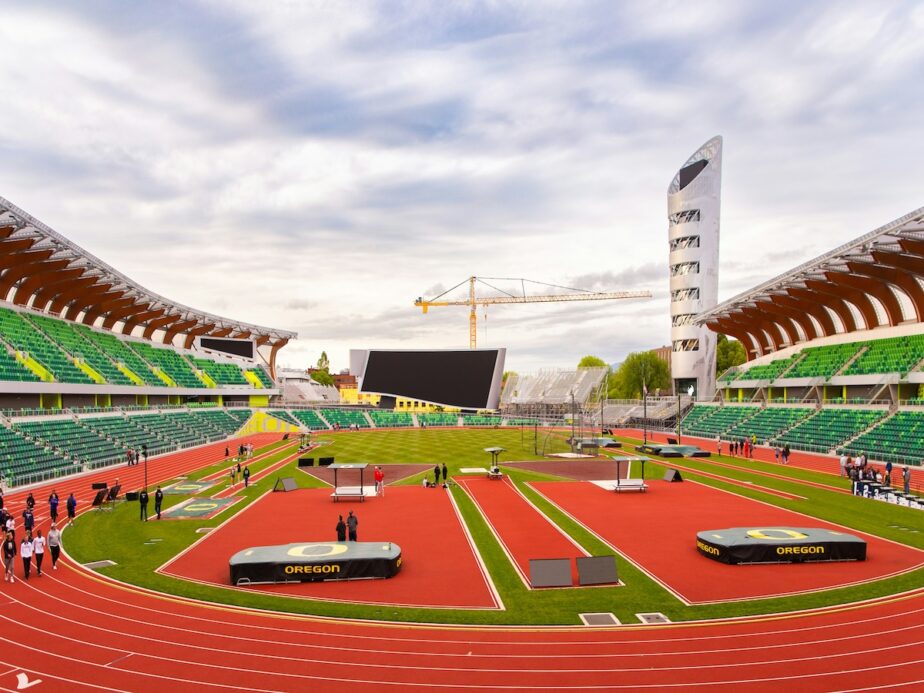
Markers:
point(379, 481)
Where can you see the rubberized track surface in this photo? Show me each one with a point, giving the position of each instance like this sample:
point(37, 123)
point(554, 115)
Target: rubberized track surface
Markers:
point(657, 530)
point(78, 632)
point(522, 530)
point(439, 567)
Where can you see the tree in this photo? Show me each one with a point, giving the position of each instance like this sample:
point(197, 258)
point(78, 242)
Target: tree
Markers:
point(322, 377)
point(639, 370)
point(728, 353)
point(592, 362)
point(324, 362)
point(507, 374)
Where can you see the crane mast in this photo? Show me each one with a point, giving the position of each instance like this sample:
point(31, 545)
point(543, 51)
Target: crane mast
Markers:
point(474, 301)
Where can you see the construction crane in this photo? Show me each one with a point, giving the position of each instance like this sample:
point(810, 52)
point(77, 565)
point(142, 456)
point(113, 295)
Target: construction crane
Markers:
point(474, 301)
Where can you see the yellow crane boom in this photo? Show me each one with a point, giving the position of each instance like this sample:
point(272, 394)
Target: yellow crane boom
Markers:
point(474, 301)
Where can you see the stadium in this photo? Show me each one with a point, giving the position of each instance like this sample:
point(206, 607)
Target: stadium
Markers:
point(533, 569)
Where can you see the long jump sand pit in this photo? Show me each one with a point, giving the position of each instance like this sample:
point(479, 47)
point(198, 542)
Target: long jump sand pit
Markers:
point(439, 565)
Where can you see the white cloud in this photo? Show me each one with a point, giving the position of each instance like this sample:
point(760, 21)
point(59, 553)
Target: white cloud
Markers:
point(317, 166)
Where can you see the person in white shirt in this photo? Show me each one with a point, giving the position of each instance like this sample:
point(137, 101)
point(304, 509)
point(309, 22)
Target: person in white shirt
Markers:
point(54, 544)
point(843, 464)
point(25, 550)
point(38, 548)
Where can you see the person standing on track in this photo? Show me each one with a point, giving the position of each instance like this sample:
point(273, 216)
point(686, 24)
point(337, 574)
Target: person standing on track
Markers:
point(54, 544)
point(436, 474)
point(246, 475)
point(9, 554)
point(71, 508)
point(379, 481)
point(28, 520)
point(30, 501)
point(445, 474)
point(38, 548)
point(352, 522)
point(143, 502)
point(906, 479)
point(53, 505)
point(158, 501)
point(25, 551)
point(341, 529)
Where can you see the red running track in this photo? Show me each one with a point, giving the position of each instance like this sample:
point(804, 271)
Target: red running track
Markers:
point(657, 531)
point(77, 631)
point(523, 532)
point(439, 565)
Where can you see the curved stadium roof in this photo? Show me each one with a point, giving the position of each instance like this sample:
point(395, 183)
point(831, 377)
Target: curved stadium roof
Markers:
point(876, 280)
point(42, 269)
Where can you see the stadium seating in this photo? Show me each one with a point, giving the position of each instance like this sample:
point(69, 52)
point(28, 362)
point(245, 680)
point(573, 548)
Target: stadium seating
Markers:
point(72, 341)
point(25, 461)
point(898, 439)
point(391, 419)
point(480, 420)
point(222, 373)
point(720, 421)
point(438, 418)
point(522, 422)
point(768, 423)
point(11, 369)
point(824, 361)
point(696, 414)
point(895, 355)
point(170, 362)
point(768, 371)
point(345, 417)
point(263, 376)
point(129, 432)
point(120, 353)
point(829, 428)
point(283, 415)
point(310, 419)
point(70, 439)
point(23, 336)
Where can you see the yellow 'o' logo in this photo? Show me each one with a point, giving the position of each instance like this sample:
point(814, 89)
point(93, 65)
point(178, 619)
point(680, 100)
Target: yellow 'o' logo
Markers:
point(317, 550)
point(201, 507)
point(776, 534)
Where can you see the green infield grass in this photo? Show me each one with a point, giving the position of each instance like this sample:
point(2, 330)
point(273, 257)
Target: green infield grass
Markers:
point(119, 537)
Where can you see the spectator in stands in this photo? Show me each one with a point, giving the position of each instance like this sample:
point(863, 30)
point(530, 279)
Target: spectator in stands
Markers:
point(25, 552)
point(158, 501)
point(906, 479)
point(352, 523)
point(9, 554)
point(341, 529)
point(38, 548)
point(53, 505)
point(54, 545)
point(143, 502)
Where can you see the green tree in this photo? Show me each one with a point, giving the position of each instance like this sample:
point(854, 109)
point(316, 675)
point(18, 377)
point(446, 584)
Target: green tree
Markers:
point(728, 353)
point(322, 377)
point(592, 362)
point(640, 369)
point(324, 362)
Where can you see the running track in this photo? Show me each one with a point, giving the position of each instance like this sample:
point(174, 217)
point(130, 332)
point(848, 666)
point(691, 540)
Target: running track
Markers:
point(76, 630)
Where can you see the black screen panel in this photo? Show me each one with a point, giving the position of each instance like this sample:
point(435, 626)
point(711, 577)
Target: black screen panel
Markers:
point(688, 173)
point(236, 347)
point(453, 378)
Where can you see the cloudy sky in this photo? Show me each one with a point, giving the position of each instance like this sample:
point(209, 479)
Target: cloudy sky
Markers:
point(316, 166)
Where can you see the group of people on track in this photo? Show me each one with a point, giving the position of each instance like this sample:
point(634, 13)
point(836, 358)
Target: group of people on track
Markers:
point(33, 543)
